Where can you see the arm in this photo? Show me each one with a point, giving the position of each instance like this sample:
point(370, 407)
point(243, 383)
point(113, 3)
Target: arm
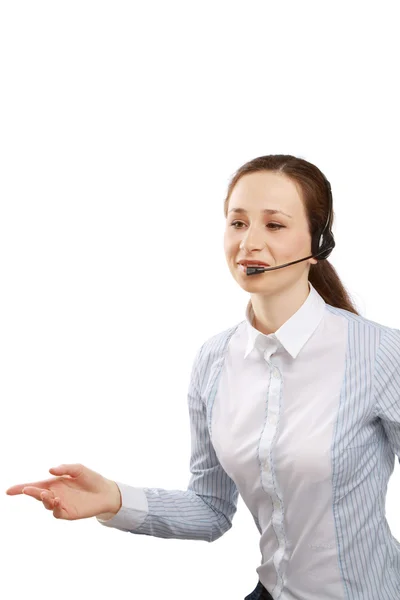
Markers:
point(115, 502)
point(387, 386)
point(205, 510)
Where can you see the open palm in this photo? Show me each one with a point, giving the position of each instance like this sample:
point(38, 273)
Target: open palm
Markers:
point(77, 493)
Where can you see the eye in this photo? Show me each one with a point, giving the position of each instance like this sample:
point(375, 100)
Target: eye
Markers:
point(275, 226)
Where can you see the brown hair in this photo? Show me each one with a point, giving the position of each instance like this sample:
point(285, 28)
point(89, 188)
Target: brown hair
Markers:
point(312, 183)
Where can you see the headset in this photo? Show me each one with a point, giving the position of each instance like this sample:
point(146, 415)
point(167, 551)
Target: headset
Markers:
point(322, 242)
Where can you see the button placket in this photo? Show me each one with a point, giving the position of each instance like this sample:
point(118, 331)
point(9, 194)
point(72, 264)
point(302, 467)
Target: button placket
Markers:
point(272, 417)
point(275, 372)
point(274, 382)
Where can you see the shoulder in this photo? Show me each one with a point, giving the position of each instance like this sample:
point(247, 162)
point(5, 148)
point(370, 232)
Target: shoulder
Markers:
point(360, 323)
point(215, 346)
point(210, 355)
point(389, 350)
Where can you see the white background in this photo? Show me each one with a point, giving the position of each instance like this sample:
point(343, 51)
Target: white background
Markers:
point(121, 124)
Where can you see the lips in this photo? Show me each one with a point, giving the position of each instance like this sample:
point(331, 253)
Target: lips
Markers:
point(253, 263)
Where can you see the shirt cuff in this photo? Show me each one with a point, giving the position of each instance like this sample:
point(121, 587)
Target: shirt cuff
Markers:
point(133, 511)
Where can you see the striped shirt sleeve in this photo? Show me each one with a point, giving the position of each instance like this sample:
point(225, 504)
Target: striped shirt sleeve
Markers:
point(205, 510)
point(387, 386)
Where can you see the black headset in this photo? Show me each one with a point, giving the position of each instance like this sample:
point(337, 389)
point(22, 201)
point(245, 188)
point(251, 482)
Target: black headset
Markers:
point(322, 241)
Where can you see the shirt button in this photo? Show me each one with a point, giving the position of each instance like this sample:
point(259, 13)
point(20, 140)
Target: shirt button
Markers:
point(275, 373)
point(273, 419)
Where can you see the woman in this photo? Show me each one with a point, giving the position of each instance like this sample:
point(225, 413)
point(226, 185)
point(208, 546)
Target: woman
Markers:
point(296, 408)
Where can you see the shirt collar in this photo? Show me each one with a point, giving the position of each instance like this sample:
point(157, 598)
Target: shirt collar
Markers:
point(295, 332)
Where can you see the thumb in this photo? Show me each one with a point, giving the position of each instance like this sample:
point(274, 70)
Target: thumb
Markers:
point(72, 470)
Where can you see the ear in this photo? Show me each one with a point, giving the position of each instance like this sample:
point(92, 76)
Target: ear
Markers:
point(313, 261)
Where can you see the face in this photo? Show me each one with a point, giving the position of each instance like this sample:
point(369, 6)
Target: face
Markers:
point(271, 238)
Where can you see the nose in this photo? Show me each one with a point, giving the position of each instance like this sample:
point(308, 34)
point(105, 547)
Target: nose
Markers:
point(252, 242)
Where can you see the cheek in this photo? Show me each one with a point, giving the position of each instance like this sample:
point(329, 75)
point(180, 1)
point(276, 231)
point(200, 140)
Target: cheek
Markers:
point(229, 245)
point(295, 244)
point(304, 243)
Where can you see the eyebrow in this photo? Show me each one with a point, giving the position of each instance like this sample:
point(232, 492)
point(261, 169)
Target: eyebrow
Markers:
point(268, 211)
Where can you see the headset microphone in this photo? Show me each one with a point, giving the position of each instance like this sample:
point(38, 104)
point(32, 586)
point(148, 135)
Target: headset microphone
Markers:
point(322, 243)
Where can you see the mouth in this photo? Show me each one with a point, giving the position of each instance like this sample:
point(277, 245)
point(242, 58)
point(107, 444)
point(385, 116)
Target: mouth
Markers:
point(253, 263)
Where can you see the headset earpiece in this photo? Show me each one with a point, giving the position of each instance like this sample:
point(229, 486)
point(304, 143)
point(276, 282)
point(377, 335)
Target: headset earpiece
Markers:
point(323, 241)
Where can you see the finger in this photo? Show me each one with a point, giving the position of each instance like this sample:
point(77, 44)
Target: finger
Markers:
point(53, 504)
point(36, 492)
point(48, 500)
point(58, 511)
point(73, 470)
point(17, 489)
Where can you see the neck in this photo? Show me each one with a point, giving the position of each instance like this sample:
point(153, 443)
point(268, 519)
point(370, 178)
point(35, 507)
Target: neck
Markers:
point(271, 312)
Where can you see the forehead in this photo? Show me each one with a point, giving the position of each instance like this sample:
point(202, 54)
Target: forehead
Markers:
point(261, 190)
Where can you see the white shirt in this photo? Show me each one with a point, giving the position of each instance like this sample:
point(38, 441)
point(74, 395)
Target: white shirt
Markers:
point(303, 424)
